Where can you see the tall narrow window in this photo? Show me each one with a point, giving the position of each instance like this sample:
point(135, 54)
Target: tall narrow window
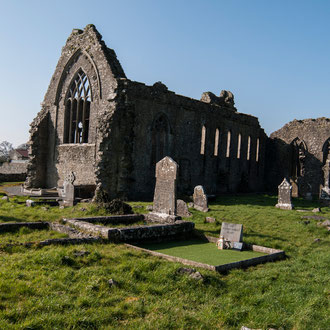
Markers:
point(257, 151)
point(203, 140)
point(77, 110)
point(216, 142)
point(228, 144)
point(239, 141)
point(248, 148)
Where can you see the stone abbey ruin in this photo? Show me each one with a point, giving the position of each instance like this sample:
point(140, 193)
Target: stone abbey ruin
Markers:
point(111, 131)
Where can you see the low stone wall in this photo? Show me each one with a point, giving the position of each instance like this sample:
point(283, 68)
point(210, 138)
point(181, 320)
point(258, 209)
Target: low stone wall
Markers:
point(12, 172)
point(114, 219)
point(159, 232)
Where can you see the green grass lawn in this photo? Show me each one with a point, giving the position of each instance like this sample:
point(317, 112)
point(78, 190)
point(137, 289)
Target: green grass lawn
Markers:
point(52, 288)
point(200, 251)
point(24, 235)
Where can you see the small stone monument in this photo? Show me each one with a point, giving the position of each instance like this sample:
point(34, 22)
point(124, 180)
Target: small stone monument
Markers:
point(200, 199)
point(284, 196)
point(164, 208)
point(232, 235)
point(182, 208)
point(67, 193)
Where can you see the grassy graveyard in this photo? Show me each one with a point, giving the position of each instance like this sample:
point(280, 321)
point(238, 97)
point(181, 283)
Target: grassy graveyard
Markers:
point(54, 287)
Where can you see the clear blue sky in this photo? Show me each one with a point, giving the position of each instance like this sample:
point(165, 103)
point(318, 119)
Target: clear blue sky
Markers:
point(273, 55)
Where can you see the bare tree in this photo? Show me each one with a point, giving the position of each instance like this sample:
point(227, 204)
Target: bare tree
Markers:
point(5, 148)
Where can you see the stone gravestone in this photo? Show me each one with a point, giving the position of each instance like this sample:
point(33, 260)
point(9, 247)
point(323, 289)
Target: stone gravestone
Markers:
point(182, 208)
point(295, 188)
point(68, 190)
point(164, 209)
point(200, 199)
point(233, 233)
point(325, 191)
point(284, 196)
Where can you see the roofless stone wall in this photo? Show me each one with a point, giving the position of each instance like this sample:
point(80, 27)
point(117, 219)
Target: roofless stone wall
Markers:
point(111, 131)
point(298, 150)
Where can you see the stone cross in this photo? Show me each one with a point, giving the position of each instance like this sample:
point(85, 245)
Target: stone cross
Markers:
point(164, 209)
point(200, 199)
point(284, 195)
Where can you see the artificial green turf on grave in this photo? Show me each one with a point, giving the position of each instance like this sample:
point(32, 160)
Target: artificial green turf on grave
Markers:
point(201, 251)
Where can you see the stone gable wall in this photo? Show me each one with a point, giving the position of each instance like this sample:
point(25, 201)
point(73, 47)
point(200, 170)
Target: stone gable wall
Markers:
point(314, 133)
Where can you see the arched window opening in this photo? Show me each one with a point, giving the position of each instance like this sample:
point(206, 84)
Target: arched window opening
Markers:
point(203, 140)
point(239, 141)
point(228, 144)
point(160, 139)
point(298, 154)
point(248, 148)
point(257, 151)
point(216, 142)
point(326, 150)
point(77, 110)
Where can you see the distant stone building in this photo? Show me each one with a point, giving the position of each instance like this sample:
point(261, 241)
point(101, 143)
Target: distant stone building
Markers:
point(299, 151)
point(19, 155)
point(111, 131)
point(16, 167)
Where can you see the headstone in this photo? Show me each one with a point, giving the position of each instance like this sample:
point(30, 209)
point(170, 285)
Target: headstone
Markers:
point(200, 199)
point(295, 188)
point(68, 190)
point(232, 232)
point(325, 191)
point(182, 208)
point(284, 196)
point(164, 207)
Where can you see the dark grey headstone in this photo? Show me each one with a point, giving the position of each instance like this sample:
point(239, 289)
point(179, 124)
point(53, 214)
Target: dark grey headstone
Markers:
point(164, 207)
point(200, 199)
point(284, 196)
point(232, 232)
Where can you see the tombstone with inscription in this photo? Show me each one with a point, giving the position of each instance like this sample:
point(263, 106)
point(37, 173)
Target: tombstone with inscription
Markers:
point(232, 235)
point(164, 208)
point(200, 199)
point(284, 196)
point(67, 193)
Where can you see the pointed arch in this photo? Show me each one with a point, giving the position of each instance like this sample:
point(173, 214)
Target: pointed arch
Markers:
point(66, 69)
point(160, 137)
point(77, 109)
point(326, 150)
point(216, 142)
point(298, 150)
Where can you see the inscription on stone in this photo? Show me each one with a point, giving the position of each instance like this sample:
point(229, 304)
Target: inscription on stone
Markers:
point(284, 196)
point(232, 232)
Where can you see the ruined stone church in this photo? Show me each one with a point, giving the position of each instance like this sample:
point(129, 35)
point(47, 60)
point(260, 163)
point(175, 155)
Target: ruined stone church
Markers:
point(110, 131)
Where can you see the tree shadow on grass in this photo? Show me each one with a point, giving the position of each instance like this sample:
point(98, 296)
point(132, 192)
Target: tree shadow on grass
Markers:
point(258, 199)
point(11, 219)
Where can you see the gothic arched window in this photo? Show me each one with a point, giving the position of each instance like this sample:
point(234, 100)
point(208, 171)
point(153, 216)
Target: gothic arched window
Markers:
point(77, 110)
point(160, 138)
